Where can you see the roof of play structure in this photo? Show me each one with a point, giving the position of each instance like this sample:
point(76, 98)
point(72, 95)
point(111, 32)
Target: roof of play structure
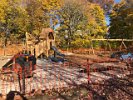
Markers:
point(45, 32)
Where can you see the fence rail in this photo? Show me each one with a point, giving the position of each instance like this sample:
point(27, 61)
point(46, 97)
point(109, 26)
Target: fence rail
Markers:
point(49, 76)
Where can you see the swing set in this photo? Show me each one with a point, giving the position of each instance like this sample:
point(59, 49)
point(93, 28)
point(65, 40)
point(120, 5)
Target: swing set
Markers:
point(109, 44)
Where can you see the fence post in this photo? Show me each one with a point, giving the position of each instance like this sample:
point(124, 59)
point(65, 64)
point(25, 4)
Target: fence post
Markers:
point(88, 71)
point(19, 79)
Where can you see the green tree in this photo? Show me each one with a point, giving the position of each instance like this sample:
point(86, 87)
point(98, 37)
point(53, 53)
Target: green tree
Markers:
point(81, 16)
point(36, 16)
point(73, 17)
point(38, 12)
point(18, 16)
point(10, 18)
point(121, 19)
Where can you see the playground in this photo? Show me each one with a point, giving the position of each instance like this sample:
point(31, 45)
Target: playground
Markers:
point(66, 50)
point(108, 78)
point(40, 70)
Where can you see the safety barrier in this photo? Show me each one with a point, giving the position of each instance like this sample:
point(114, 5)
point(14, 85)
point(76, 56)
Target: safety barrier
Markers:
point(48, 76)
point(45, 77)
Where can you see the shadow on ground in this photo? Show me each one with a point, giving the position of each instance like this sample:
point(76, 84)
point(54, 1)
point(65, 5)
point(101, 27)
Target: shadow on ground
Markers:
point(111, 89)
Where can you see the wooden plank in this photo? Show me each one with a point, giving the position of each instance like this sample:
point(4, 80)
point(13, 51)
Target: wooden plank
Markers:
point(112, 39)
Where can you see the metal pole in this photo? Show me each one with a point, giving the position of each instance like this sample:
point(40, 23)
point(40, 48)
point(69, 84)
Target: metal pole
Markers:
point(19, 81)
point(88, 71)
point(23, 80)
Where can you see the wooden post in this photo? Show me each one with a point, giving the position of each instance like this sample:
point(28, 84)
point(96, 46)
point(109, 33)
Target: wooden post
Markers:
point(47, 46)
point(122, 43)
point(26, 40)
point(92, 48)
point(109, 45)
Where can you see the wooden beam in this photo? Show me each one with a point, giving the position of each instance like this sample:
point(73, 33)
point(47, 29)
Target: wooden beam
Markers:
point(112, 40)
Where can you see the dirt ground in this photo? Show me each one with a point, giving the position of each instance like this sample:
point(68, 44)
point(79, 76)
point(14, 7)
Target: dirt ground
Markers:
point(112, 89)
point(116, 88)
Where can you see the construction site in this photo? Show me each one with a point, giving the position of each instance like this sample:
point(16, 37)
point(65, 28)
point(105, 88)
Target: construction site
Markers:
point(86, 74)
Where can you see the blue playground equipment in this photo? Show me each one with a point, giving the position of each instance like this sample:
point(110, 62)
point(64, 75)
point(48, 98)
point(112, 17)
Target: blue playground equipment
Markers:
point(57, 56)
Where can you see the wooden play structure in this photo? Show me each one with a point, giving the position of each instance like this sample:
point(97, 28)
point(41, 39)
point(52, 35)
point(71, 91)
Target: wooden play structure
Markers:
point(41, 45)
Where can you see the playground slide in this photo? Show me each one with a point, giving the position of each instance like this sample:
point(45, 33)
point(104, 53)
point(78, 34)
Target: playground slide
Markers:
point(5, 61)
point(58, 56)
point(57, 52)
point(9, 62)
point(21, 60)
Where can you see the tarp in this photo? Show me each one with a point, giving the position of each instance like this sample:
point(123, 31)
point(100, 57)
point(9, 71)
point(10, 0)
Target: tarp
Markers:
point(126, 56)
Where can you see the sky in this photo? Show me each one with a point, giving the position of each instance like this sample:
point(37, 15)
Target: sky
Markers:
point(116, 1)
point(107, 18)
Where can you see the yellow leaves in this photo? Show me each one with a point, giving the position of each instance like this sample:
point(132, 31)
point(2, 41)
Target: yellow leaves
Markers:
point(51, 4)
point(3, 3)
point(3, 6)
point(80, 42)
point(96, 20)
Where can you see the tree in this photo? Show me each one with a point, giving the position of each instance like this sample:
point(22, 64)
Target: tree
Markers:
point(73, 17)
point(51, 5)
point(36, 16)
point(10, 18)
point(38, 12)
point(18, 16)
point(3, 5)
point(96, 21)
point(81, 16)
point(105, 4)
point(121, 19)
